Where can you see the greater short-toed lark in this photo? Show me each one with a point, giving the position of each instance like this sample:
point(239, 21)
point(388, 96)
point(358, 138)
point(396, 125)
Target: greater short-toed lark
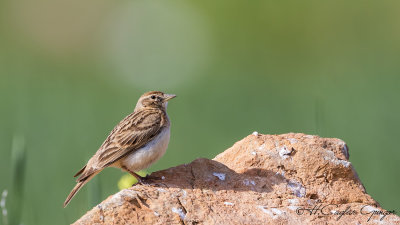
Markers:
point(139, 140)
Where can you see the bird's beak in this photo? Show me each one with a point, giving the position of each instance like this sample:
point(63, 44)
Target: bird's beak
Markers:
point(168, 97)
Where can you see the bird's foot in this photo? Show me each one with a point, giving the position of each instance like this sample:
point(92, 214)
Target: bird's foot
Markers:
point(146, 179)
point(143, 180)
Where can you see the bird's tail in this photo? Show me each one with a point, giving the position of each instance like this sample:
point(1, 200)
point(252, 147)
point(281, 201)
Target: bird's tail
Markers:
point(77, 187)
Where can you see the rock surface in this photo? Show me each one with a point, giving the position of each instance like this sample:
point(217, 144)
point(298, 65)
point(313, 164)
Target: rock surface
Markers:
point(262, 179)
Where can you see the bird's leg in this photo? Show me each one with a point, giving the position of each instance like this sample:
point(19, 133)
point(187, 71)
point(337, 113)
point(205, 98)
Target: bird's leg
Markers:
point(139, 178)
point(145, 179)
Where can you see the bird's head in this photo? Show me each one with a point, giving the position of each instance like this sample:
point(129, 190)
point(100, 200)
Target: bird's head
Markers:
point(154, 99)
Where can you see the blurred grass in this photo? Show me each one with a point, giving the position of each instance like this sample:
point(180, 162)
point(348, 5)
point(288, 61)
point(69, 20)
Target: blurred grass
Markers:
point(327, 68)
point(12, 199)
point(18, 165)
point(3, 206)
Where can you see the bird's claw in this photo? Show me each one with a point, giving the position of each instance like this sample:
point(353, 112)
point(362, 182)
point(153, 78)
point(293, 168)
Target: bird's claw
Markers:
point(143, 181)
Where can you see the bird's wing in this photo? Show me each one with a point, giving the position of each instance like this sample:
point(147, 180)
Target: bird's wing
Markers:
point(132, 133)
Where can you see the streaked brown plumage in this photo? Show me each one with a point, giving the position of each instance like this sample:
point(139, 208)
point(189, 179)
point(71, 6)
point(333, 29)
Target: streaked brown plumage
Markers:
point(135, 143)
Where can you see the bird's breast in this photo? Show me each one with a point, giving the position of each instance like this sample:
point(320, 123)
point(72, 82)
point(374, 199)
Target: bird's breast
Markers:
point(148, 154)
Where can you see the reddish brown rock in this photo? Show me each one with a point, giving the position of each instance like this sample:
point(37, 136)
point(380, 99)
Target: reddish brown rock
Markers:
point(262, 179)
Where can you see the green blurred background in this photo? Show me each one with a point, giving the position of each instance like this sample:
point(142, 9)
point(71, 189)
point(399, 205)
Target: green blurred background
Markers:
point(71, 70)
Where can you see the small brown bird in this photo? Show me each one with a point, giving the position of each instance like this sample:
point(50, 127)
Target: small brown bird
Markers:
point(138, 141)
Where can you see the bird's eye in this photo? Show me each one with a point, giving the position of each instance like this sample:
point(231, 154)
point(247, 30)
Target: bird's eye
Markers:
point(153, 97)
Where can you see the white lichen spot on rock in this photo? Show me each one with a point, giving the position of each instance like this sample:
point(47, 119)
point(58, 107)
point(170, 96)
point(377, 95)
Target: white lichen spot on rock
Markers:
point(261, 147)
point(184, 193)
point(255, 133)
point(119, 198)
point(282, 173)
point(156, 213)
point(284, 152)
point(253, 153)
point(297, 189)
point(292, 140)
point(293, 201)
point(312, 201)
point(179, 211)
point(330, 156)
point(265, 210)
point(228, 203)
point(369, 209)
point(344, 148)
point(293, 208)
point(161, 190)
point(248, 182)
point(273, 212)
point(276, 211)
point(220, 176)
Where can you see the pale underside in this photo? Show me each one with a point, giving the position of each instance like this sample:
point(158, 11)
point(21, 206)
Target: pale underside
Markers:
point(148, 154)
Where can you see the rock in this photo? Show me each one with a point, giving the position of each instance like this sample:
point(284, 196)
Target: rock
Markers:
point(262, 179)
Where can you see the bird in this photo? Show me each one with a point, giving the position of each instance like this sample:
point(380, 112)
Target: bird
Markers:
point(136, 142)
